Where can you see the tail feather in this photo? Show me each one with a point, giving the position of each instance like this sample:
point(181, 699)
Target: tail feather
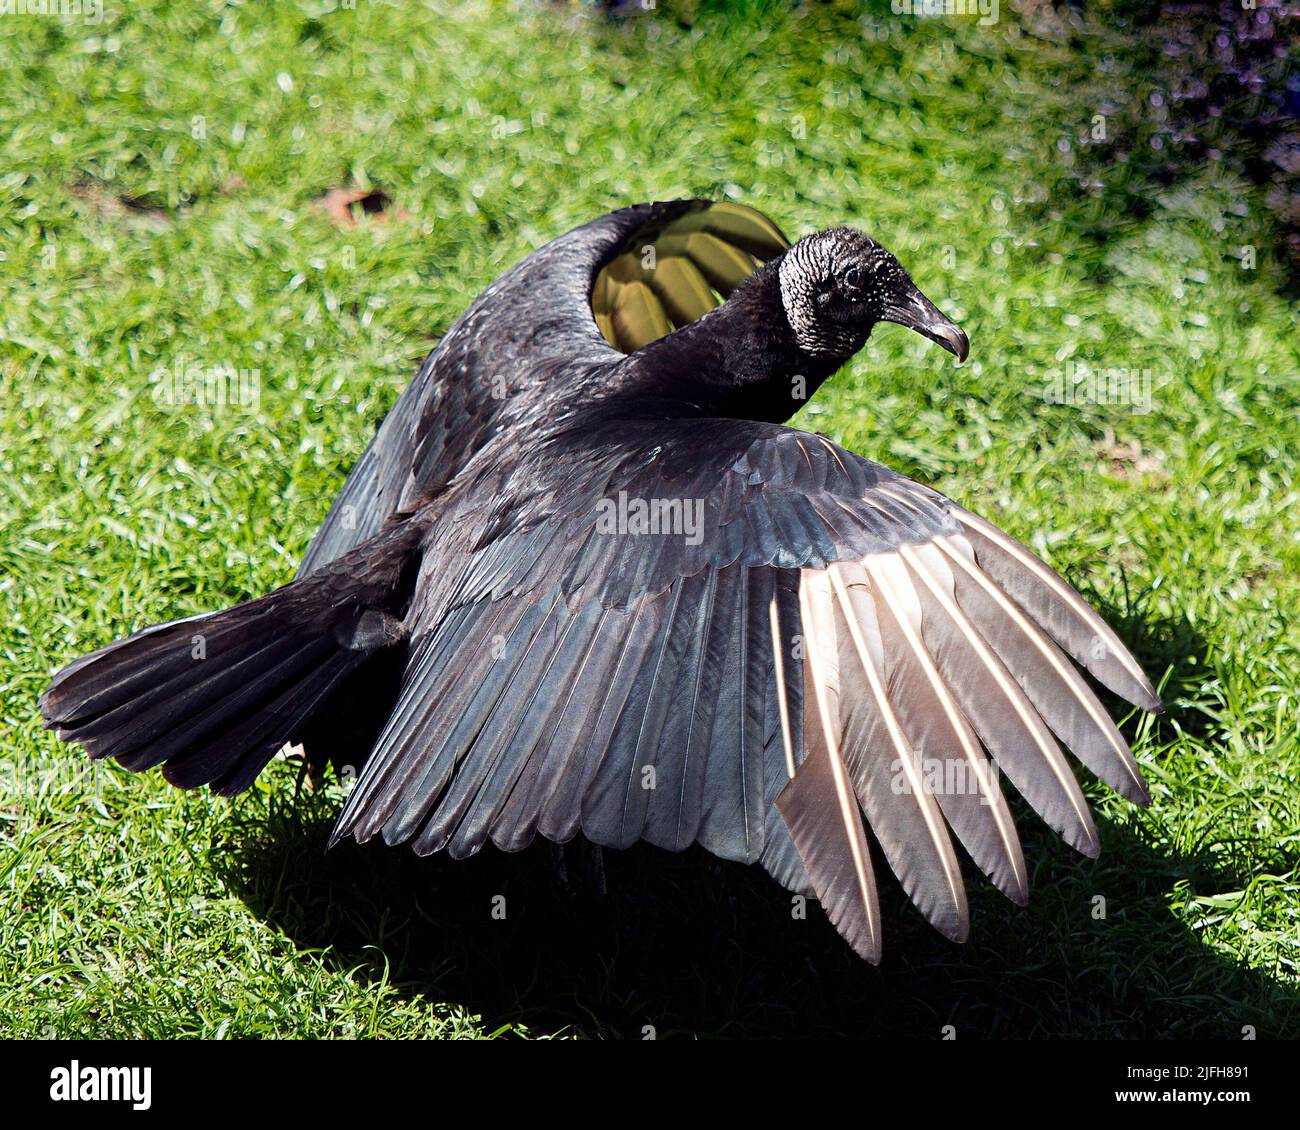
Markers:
point(259, 734)
point(140, 714)
point(101, 688)
point(215, 696)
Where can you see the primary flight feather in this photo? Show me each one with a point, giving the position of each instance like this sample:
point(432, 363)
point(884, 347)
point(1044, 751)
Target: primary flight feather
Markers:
point(584, 581)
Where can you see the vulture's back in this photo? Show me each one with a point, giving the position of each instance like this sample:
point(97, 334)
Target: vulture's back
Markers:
point(531, 328)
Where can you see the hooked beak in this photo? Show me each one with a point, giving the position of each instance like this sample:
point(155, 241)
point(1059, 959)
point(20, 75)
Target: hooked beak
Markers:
point(918, 313)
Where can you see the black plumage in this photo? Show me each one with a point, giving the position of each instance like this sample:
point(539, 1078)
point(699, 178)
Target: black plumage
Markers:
point(584, 581)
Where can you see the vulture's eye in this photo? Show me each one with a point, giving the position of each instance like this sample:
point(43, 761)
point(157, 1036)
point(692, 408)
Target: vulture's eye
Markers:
point(853, 279)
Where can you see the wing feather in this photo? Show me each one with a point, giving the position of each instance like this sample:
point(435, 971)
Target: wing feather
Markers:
point(887, 774)
point(996, 707)
point(1058, 610)
point(731, 824)
point(555, 752)
point(1061, 696)
point(967, 789)
point(567, 809)
point(481, 790)
point(818, 805)
point(673, 814)
point(615, 807)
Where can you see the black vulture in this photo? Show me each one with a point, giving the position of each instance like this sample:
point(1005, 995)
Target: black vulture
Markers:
point(584, 581)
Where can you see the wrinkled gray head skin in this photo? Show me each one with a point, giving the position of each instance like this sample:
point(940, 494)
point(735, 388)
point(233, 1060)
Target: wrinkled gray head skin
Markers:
point(837, 284)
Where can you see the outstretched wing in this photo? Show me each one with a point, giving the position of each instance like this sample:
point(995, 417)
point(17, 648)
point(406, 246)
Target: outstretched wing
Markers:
point(677, 271)
point(630, 275)
point(741, 635)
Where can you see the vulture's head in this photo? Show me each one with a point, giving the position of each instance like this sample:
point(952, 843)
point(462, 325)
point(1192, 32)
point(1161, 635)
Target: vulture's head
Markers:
point(837, 284)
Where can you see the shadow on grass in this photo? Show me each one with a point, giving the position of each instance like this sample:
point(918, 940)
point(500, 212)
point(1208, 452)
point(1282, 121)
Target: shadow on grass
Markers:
point(694, 946)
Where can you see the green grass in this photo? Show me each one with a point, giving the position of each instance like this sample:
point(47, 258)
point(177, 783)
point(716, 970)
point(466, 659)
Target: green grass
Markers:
point(131, 909)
